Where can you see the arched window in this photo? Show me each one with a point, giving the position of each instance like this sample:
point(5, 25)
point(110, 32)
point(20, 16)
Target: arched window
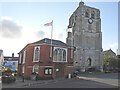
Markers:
point(86, 13)
point(60, 54)
point(93, 14)
point(24, 55)
point(64, 55)
point(55, 55)
point(36, 68)
point(89, 61)
point(36, 54)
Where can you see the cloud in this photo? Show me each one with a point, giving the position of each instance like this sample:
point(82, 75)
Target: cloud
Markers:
point(9, 28)
point(40, 34)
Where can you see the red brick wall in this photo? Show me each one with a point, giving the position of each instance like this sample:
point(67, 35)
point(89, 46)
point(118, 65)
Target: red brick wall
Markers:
point(28, 71)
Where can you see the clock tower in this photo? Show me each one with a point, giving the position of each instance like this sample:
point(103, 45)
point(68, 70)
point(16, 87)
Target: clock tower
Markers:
point(86, 37)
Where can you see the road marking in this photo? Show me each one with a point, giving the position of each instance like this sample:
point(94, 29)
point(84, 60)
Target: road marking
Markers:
point(113, 82)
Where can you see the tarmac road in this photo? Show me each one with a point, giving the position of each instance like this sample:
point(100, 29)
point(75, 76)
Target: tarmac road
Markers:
point(85, 81)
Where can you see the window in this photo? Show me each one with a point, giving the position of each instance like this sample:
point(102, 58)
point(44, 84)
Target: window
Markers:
point(60, 54)
point(75, 17)
point(36, 68)
point(24, 55)
point(64, 55)
point(89, 61)
point(86, 13)
point(36, 54)
point(13, 63)
point(20, 58)
point(55, 55)
point(48, 71)
point(93, 14)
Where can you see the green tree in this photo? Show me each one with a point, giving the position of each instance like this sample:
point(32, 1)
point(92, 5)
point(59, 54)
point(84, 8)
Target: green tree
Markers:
point(110, 62)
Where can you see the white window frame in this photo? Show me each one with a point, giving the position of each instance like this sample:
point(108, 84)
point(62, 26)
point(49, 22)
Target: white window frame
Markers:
point(34, 68)
point(24, 55)
point(34, 54)
point(48, 71)
point(20, 58)
point(62, 54)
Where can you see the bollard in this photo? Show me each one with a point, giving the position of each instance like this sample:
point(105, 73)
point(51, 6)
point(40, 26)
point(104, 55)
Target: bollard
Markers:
point(69, 76)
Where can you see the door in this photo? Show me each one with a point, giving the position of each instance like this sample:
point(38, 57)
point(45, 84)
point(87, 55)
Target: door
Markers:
point(59, 70)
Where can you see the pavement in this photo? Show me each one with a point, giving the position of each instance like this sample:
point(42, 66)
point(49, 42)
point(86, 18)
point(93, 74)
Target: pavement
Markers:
point(27, 83)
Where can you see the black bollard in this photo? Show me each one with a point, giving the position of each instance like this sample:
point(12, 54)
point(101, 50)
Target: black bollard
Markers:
point(36, 77)
point(22, 78)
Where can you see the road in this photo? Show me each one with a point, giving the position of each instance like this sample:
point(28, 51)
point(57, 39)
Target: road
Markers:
point(84, 81)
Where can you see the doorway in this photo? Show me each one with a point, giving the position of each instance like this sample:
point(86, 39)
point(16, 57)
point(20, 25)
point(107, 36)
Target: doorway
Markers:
point(59, 70)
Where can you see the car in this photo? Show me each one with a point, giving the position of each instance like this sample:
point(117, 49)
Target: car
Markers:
point(75, 73)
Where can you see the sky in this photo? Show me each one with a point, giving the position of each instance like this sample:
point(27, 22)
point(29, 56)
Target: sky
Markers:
point(23, 22)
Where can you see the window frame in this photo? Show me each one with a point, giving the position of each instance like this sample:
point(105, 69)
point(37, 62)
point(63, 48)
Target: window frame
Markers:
point(59, 48)
point(24, 56)
point(20, 59)
point(48, 71)
point(35, 68)
point(89, 62)
point(87, 13)
point(93, 15)
point(38, 54)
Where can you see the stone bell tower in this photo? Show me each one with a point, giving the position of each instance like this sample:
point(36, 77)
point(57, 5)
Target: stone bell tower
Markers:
point(86, 37)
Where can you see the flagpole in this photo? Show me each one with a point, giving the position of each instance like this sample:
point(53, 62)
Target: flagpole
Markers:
point(51, 39)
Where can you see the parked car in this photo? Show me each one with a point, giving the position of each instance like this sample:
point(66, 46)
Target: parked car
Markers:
point(75, 73)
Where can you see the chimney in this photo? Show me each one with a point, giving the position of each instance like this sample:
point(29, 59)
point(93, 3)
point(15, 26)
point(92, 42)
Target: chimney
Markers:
point(12, 54)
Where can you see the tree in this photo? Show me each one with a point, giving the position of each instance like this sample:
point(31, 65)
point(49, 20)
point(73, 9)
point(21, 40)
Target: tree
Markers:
point(110, 63)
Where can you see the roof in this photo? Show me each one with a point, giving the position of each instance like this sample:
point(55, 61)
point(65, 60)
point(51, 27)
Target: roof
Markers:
point(6, 58)
point(48, 41)
point(54, 42)
point(108, 52)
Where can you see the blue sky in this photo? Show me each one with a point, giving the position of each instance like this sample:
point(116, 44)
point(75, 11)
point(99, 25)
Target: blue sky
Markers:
point(28, 18)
